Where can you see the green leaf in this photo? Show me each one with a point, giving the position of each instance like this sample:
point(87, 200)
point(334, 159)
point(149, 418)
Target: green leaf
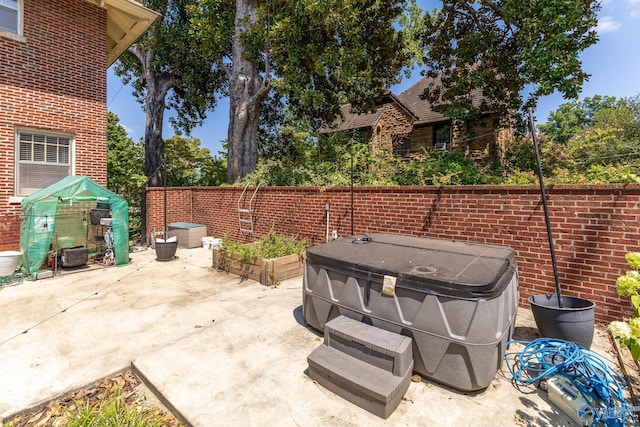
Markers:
point(635, 350)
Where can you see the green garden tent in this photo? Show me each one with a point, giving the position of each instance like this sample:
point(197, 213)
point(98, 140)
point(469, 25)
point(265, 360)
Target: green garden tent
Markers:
point(58, 217)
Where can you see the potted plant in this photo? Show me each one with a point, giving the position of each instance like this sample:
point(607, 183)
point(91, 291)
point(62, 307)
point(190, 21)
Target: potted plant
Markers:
point(559, 316)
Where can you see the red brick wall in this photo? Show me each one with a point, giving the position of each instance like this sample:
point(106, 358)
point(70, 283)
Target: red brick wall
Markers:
point(593, 226)
point(53, 79)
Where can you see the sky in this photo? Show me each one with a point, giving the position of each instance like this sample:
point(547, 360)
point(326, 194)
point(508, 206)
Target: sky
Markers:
point(613, 63)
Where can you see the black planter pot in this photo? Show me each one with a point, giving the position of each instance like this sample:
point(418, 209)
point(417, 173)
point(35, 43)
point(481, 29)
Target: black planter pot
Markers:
point(573, 322)
point(165, 250)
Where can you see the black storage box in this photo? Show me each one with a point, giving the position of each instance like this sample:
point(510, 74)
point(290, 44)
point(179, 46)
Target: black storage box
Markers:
point(74, 257)
point(97, 214)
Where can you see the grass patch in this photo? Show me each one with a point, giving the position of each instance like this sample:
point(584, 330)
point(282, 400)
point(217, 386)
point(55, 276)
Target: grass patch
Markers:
point(116, 401)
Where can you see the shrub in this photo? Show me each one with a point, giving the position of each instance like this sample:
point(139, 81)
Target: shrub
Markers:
point(271, 245)
point(628, 331)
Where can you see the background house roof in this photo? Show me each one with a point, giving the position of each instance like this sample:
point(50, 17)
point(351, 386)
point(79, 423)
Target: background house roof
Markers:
point(126, 21)
point(354, 120)
point(410, 101)
point(421, 107)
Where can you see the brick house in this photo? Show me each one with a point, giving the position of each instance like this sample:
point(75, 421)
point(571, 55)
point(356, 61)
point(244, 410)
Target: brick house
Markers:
point(406, 124)
point(53, 89)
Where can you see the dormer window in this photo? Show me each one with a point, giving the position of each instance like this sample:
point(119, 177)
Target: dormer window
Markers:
point(10, 16)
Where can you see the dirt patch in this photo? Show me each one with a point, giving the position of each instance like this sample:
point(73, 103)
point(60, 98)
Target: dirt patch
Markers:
point(136, 395)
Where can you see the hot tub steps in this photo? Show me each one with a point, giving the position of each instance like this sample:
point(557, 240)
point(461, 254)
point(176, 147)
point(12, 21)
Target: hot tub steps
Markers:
point(368, 366)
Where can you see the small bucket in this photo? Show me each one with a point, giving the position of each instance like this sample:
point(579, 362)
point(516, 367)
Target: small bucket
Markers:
point(573, 322)
point(207, 242)
point(210, 242)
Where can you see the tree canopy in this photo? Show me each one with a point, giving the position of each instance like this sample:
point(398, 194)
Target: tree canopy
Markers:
point(570, 117)
point(315, 55)
point(187, 164)
point(167, 62)
point(510, 51)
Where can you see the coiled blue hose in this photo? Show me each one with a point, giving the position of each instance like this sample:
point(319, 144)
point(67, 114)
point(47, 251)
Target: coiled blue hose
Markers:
point(600, 385)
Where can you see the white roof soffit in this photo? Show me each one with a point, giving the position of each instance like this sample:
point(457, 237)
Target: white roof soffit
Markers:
point(127, 20)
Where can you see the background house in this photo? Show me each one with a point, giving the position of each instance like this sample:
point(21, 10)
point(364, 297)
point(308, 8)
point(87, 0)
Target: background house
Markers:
point(53, 88)
point(406, 124)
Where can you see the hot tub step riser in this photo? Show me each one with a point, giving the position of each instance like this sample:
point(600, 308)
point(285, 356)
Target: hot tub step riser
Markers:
point(366, 365)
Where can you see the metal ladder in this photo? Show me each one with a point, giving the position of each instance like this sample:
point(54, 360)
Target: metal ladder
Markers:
point(245, 213)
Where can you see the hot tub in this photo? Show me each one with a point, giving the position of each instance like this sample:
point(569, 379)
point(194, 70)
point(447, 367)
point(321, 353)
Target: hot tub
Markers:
point(456, 300)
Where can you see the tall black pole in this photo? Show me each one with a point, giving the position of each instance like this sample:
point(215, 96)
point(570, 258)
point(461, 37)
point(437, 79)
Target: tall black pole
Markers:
point(546, 209)
point(164, 230)
point(351, 178)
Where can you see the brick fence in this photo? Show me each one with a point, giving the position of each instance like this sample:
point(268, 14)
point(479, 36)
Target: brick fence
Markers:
point(593, 226)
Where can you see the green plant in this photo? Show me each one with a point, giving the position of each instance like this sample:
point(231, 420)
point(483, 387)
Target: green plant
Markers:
point(628, 331)
point(229, 247)
point(271, 245)
point(112, 410)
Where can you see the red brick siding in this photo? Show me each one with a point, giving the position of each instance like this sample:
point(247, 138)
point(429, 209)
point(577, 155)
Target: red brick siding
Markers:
point(593, 226)
point(53, 80)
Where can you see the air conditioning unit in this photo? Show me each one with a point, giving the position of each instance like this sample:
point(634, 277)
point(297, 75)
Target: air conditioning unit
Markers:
point(440, 146)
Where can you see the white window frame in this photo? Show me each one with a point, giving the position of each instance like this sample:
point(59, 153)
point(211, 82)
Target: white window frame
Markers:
point(44, 152)
point(5, 4)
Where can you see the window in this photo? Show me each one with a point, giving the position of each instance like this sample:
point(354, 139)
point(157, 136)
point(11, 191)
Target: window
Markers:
point(402, 146)
point(42, 160)
point(10, 16)
point(442, 137)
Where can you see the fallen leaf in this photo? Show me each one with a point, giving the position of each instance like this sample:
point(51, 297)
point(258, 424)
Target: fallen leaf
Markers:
point(198, 326)
point(43, 421)
point(35, 418)
point(520, 421)
point(54, 409)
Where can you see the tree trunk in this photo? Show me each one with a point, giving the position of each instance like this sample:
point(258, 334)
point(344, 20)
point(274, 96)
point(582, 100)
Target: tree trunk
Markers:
point(247, 90)
point(157, 87)
point(153, 145)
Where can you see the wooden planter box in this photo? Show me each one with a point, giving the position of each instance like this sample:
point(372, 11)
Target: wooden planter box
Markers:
point(268, 272)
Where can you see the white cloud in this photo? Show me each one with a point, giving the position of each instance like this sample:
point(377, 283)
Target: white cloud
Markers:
point(634, 13)
point(606, 24)
point(633, 1)
point(129, 129)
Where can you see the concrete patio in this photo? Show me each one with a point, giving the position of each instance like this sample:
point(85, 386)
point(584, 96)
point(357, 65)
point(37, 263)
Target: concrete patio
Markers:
point(221, 350)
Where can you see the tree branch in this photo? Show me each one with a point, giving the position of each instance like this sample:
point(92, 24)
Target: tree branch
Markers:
point(137, 52)
point(165, 83)
point(224, 67)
